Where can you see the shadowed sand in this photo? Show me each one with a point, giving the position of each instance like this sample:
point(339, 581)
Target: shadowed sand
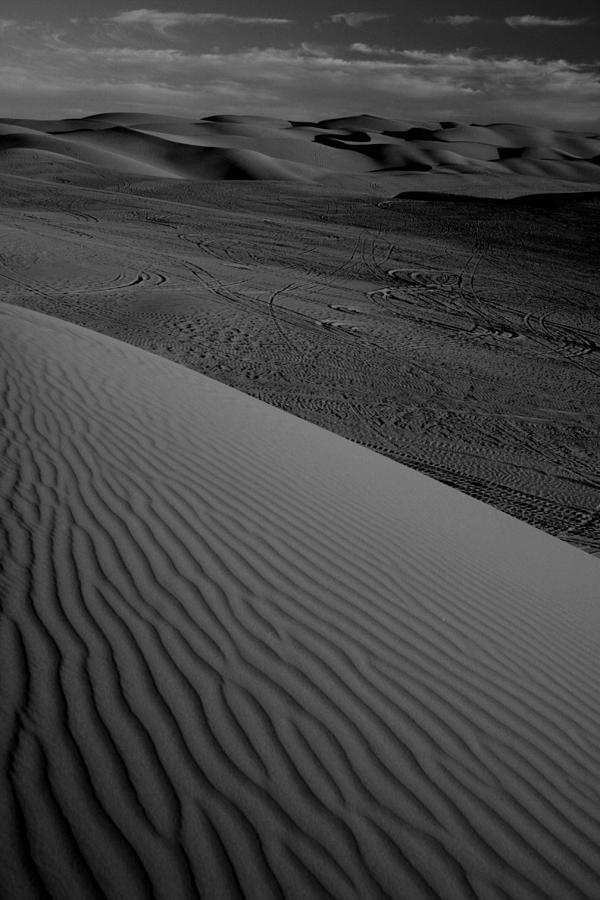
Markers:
point(244, 657)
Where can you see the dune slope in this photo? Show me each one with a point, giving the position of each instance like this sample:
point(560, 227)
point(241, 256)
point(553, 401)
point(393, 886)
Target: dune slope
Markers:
point(243, 657)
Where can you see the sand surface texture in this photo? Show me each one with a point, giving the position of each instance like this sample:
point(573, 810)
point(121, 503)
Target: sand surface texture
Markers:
point(244, 657)
point(440, 317)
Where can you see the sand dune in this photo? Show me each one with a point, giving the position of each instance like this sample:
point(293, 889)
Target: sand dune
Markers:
point(124, 149)
point(69, 148)
point(551, 200)
point(365, 122)
point(274, 149)
point(243, 657)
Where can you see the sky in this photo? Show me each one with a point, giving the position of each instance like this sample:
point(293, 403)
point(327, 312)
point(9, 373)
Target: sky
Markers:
point(525, 61)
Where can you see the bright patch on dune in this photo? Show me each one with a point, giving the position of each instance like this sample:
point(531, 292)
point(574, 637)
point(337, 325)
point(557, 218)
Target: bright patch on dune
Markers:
point(243, 657)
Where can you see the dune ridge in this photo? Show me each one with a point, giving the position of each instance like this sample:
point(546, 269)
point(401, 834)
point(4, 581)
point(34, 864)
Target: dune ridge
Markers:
point(243, 657)
point(221, 147)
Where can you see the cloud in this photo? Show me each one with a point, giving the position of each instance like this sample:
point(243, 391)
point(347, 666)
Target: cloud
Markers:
point(164, 21)
point(356, 19)
point(453, 20)
point(169, 58)
point(370, 50)
point(87, 68)
point(537, 21)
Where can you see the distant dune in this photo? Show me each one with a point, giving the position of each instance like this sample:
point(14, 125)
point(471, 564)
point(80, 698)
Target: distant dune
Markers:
point(244, 657)
point(252, 147)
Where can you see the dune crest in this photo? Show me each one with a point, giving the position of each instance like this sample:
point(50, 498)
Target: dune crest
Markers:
point(243, 657)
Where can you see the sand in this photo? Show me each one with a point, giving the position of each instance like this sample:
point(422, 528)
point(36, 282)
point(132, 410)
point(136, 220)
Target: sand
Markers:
point(253, 147)
point(244, 657)
point(459, 336)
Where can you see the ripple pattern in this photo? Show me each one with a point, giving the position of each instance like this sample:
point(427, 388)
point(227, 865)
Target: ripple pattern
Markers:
point(242, 657)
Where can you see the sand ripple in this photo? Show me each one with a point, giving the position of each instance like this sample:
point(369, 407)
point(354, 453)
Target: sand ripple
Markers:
point(243, 657)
